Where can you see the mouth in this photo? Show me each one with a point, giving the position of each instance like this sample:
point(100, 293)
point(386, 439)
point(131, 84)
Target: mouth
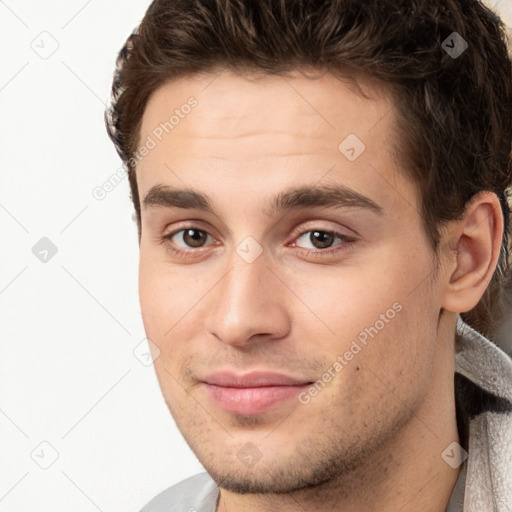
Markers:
point(252, 393)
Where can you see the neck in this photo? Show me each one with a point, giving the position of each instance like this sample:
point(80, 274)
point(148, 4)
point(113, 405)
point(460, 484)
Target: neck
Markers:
point(407, 473)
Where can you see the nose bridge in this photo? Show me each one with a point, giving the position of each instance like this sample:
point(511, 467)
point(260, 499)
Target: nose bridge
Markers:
point(248, 299)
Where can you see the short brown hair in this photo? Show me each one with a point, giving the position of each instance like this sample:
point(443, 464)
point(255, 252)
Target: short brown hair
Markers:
point(454, 114)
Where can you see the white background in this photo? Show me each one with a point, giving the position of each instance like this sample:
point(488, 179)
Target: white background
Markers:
point(68, 376)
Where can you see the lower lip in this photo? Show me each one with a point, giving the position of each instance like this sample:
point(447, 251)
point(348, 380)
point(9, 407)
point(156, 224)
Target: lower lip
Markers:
point(251, 400)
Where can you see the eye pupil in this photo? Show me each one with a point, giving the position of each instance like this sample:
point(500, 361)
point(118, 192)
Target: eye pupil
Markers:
point(194, 241)
point(323, 238)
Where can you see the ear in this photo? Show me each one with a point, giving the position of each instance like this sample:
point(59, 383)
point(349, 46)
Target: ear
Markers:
point(471, 251)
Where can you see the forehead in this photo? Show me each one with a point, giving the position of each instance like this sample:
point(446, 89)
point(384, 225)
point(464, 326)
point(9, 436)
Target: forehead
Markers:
point(238, 103)
point(262, 132)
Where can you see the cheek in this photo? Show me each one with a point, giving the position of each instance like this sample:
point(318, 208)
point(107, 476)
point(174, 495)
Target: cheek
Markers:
point(150, 295)
point(170, 299)
point(161, 311)
point(378, 306)
point(340, 304)
point(156, 296)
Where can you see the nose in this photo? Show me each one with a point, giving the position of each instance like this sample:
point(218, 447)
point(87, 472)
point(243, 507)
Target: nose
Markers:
point(249, 302)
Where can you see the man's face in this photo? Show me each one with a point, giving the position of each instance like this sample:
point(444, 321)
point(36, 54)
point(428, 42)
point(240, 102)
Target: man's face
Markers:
point(267, 295)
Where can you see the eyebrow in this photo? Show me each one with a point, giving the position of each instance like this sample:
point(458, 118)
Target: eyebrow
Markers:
point(334, 196)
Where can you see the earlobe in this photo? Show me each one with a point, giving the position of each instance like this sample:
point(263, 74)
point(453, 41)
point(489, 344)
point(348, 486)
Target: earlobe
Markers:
point(473, 253)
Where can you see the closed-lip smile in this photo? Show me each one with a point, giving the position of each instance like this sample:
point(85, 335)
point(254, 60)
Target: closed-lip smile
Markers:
point(253, 392)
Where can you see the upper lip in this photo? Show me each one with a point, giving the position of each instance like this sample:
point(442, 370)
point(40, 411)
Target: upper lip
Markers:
point(253, 379)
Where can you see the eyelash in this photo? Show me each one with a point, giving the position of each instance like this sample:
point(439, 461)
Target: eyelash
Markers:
point(347, 243)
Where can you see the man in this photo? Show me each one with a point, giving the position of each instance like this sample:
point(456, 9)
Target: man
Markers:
point(320, 190)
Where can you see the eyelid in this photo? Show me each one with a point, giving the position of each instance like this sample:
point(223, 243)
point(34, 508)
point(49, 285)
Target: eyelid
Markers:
point(188, 224)
point(344, 239)
point(315, 225)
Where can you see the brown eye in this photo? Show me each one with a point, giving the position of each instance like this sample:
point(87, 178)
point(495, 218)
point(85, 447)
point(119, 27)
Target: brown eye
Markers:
point(194, 237)
point(320, 239)
point(188, 238)
point(183, 242)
